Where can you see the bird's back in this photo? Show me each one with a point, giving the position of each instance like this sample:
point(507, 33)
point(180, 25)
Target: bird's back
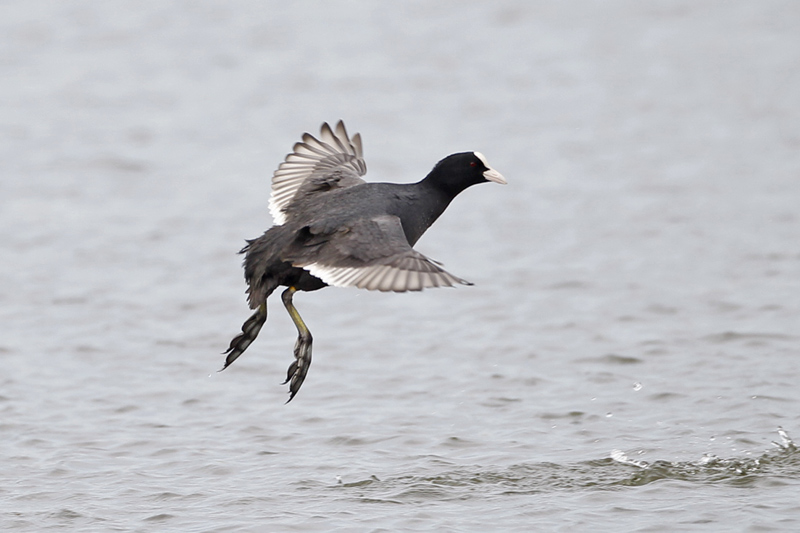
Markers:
point(325, 212)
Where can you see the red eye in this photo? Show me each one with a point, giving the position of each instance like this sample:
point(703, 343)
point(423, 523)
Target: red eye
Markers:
point(473, 164)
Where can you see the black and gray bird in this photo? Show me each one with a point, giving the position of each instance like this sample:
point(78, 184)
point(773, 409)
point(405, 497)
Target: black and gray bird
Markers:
point(333, 228)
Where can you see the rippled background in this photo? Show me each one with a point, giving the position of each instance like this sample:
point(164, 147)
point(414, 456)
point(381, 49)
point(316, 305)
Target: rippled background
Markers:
point(623, 362)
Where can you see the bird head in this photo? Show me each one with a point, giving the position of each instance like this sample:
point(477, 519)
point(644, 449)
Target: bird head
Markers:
point(456, 172)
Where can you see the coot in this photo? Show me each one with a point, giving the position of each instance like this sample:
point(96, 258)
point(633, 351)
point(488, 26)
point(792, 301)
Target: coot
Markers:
point(333, 228)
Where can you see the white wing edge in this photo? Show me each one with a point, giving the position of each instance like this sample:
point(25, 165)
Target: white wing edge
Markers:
point(304, 160)
point(385, 278)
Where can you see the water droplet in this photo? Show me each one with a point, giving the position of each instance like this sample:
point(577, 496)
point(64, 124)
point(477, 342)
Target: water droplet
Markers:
point(637, 386)
point(609, 415)
point(593, 399)
point(712, 437)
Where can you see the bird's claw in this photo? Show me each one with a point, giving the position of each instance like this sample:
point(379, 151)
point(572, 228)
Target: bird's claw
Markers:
point(297, 371)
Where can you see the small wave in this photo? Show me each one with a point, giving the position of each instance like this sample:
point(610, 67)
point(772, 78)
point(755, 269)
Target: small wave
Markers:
point(612, 473)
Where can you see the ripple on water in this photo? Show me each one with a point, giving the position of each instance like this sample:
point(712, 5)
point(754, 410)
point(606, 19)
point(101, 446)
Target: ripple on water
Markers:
point(612, 359)
point(752, 338)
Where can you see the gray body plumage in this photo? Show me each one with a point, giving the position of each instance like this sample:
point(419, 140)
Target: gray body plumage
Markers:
point(369, 224)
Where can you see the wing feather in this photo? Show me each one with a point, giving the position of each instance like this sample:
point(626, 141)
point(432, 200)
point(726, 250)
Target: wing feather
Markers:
point(334, 155)
point(374, 254)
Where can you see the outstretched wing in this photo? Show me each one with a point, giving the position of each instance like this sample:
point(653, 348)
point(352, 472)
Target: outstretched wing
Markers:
point(373, 254)
point(334, 158)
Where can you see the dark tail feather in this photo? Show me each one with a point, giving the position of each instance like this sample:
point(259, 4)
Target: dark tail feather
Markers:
point(250, 330)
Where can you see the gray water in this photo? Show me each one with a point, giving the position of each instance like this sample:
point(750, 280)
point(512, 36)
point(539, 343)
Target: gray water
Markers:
point(623, 362)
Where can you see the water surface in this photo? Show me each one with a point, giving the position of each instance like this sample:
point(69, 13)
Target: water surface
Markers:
point(623, 362)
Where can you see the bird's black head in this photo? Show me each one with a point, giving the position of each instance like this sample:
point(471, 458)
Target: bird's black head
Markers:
point(456, 172)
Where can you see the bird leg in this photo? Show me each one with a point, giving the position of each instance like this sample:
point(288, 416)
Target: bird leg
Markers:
point(302, 348)
point(249, 333)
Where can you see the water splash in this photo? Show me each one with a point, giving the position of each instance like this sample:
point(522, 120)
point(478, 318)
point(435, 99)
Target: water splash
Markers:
point(611, 473)
point(620, 457)
point(712, 469)
point(786, 443)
